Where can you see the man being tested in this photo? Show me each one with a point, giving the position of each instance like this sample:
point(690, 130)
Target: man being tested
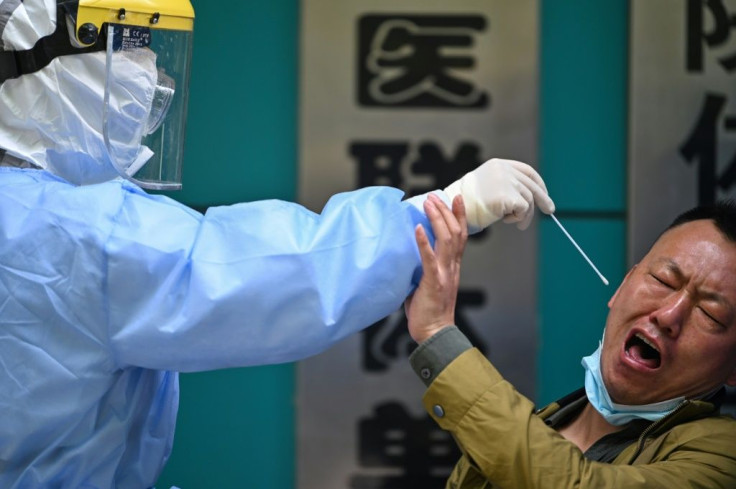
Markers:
point(648, 415)
point(106, 291)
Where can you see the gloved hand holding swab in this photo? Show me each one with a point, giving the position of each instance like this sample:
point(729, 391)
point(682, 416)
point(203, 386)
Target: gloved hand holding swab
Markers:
point(605, 281)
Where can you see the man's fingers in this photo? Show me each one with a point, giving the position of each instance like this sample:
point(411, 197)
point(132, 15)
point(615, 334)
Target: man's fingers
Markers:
point(458, 208)
point(451, 240)
point(451, 225)
point(425, 249)
point(433, 207)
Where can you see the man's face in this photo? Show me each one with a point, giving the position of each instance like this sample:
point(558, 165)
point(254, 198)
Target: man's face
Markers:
point(671, 328)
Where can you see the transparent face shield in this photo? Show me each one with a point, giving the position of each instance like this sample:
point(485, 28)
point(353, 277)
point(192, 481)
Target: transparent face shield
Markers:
point(144, 118)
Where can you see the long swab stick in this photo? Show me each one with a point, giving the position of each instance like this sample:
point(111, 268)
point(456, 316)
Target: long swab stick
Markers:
point(605, 281)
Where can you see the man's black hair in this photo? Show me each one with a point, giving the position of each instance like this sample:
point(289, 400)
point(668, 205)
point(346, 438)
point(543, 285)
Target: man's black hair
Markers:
point(722, 213)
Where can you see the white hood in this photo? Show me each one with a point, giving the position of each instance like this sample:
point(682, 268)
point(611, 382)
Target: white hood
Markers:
point(23, 23)
point(54, 117)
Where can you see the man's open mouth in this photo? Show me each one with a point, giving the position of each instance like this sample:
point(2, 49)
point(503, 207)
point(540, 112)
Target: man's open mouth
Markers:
point(643, 351)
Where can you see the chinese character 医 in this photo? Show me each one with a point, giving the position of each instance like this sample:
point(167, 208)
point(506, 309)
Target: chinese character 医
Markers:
point(414, 61)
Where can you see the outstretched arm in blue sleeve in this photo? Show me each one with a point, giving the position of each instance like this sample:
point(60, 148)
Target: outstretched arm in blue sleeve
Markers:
point(255, 283)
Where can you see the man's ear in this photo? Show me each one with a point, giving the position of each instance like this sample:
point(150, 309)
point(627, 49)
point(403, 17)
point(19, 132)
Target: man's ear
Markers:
point(615, 294)
point(731, 379)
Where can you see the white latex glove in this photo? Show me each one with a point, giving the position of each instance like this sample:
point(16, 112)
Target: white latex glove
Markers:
point(501, 189)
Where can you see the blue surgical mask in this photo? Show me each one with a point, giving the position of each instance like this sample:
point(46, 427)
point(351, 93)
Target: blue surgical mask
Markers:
point(619, 414)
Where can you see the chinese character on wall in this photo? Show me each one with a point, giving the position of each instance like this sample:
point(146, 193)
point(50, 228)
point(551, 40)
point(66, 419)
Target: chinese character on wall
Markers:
point(413, 452)
point(403, 61)
point(710, 26)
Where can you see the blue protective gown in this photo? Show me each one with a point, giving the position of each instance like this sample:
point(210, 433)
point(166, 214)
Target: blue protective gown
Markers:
point(106, 292)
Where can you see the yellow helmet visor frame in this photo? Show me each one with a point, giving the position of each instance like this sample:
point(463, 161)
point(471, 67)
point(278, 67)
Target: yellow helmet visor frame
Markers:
point(175, 15)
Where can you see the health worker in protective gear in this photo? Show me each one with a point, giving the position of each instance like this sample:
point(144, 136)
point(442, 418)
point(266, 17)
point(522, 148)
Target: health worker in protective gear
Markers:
point(106, 292)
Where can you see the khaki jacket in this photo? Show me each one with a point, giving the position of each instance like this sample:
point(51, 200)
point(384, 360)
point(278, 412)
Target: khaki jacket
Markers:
point(505, 445)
